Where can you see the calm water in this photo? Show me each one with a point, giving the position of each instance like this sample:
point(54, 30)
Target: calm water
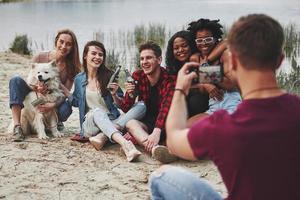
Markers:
point(41, 19)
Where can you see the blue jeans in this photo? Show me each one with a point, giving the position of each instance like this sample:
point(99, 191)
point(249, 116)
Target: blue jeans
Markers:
point(19, 89)
point(230, 101)
point(97, 120)
point(177, 183)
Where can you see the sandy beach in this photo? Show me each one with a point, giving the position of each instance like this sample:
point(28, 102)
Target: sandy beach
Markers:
point(59, 168)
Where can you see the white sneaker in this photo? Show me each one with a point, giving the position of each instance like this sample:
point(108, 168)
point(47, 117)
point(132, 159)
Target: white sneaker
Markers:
point(130, 151)
point(98, 141)
point(162, 154)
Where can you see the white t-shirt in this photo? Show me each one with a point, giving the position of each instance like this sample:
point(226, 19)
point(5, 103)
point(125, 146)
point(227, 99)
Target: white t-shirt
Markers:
point(94, 100)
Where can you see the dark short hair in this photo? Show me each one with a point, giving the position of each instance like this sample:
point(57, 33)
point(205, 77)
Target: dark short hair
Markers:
point(257, 39)
point(174, 65)
point(152, 46)
point(206, 24)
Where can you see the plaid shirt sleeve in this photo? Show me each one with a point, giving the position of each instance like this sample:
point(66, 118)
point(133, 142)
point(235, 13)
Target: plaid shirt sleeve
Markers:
point(127, 101)
point(166, 91)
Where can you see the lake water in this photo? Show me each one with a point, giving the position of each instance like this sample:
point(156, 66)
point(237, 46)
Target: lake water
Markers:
point(41, 19)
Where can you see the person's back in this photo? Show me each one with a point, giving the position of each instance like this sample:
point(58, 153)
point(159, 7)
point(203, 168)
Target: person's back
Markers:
point(256, 149)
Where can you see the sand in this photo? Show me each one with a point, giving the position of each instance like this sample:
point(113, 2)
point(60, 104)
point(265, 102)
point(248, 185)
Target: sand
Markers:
point(64, 169)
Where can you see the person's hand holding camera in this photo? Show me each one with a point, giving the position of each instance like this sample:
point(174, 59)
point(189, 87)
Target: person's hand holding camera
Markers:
point(185, 77)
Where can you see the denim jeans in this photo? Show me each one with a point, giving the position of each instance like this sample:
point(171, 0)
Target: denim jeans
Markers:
point(19, 89)
point(177, 183)
point(97, 120)
point(230, 101)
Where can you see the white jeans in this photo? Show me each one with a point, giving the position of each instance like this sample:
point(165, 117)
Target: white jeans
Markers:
point(97, 120)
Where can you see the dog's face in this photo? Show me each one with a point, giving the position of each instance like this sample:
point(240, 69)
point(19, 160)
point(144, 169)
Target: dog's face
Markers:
point(44, 72)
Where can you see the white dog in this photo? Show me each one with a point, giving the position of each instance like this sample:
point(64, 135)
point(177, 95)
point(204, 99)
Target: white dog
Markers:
point(31, 118)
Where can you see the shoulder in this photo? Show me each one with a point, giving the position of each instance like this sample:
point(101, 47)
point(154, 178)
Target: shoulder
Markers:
point(212, 124)
point(80, 76)
point(138, 73)
point(166, 76)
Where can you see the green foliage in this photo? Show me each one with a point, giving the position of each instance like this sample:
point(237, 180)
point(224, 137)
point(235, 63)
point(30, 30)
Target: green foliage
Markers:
point(112, 59)
point(292, 41)
point(290, 81)
point(20, 45)
point(153, 32)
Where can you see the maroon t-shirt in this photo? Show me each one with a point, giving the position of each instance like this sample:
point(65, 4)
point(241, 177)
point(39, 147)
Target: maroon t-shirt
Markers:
point(256, 149)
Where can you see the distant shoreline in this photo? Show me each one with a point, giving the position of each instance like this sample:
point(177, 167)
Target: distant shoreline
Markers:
point(10, 1)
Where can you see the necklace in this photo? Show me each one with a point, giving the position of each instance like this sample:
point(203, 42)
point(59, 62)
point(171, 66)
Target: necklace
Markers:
point(259, 89)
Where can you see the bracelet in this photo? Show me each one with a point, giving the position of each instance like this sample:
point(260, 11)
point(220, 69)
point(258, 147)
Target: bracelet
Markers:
point(180, 90)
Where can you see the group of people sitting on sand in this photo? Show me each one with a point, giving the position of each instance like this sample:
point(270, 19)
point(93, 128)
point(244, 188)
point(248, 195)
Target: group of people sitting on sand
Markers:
point(245, 123)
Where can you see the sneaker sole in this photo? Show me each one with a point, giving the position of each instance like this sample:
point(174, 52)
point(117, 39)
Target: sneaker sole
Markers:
point(163, 155)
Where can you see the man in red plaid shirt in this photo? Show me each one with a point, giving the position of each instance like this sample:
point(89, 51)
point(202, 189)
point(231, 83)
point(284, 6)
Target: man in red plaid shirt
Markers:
point(155, 87)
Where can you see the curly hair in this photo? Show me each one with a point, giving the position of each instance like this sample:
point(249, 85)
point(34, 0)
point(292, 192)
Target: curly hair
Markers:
point(212, 25)
point(174, 65)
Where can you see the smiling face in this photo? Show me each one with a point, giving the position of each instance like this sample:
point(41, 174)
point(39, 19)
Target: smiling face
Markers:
point(94, 57)
point(204, 42)
point(149, 62)
point(64, 45)
point(181, 49)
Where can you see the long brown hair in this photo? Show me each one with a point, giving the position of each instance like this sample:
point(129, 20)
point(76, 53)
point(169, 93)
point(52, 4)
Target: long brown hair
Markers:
point(103, 73)
point(72, 60)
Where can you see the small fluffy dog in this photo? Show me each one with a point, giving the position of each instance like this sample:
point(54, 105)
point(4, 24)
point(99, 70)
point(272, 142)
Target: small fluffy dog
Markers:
point(31, 119)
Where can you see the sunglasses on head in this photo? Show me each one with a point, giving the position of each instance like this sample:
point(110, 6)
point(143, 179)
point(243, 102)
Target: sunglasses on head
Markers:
point(206, 40)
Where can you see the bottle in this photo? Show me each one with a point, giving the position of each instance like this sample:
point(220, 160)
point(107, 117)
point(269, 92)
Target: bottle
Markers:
point(129, 79)
point(114, 78)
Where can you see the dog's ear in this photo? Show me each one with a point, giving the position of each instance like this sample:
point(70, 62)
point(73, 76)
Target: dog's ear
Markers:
point(53, 63)
point(33, 65)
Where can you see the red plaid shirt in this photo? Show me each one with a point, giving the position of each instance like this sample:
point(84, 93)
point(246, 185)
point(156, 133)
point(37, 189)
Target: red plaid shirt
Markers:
point(165, 86)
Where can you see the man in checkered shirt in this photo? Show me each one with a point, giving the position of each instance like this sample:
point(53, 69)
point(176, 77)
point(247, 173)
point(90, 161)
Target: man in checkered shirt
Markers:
point(155, 87)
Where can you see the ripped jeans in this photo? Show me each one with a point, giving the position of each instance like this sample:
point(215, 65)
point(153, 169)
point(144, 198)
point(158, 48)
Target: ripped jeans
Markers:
point(97, 120)
point(177, 183)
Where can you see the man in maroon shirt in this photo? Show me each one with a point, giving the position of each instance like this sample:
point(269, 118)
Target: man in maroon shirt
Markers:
point(154, 87)
point(256, 149)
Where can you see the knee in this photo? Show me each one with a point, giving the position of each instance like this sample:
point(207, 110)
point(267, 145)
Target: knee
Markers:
point(160, 170)
point(155, 181)
point(99, 113)
point(131, 124)
point(15, 80)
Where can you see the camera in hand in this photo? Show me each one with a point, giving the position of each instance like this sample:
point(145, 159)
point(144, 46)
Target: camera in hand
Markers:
point(208, 74)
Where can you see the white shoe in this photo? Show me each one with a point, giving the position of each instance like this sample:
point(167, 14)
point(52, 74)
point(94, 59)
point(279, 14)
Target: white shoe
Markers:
point(98, 141)
point(130, 151)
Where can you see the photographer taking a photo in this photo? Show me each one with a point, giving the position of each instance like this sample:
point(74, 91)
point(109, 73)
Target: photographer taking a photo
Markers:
point(256, 149)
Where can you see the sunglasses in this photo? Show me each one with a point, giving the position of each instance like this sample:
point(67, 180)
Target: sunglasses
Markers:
point(206, 40)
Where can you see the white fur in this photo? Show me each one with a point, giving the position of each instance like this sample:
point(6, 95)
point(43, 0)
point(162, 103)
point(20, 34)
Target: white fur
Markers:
point(31, 119)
